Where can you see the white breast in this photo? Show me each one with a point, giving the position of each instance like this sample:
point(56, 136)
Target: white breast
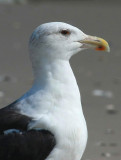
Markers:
point(71, 136)
point(69, 129)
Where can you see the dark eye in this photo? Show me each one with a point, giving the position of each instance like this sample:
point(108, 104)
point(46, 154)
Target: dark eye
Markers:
point(65, 32)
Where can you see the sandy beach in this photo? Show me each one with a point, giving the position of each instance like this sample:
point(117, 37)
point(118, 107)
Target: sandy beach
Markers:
point(98, 73)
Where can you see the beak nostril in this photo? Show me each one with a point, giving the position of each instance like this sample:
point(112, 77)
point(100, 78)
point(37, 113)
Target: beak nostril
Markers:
point(97, 40)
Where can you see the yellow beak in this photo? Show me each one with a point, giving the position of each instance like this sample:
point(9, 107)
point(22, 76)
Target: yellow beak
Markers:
point(96, 43)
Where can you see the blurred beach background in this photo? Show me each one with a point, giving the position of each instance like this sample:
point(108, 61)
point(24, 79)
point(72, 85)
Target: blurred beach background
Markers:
point(98, 73)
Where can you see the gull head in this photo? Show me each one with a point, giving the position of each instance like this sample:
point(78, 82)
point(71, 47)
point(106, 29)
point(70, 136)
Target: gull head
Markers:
point(57, 40)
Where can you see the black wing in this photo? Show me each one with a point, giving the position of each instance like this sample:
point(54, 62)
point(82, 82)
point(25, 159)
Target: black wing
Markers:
point(22, 145)
point(11, 118)
point(31, 145)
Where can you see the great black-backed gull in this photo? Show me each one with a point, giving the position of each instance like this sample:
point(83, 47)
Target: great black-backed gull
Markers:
point(47, 122)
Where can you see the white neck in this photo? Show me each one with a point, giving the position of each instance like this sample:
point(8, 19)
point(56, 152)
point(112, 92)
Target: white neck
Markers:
point(57, 77)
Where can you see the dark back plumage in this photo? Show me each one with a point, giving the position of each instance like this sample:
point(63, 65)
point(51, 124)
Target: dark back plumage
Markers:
point(24, 144)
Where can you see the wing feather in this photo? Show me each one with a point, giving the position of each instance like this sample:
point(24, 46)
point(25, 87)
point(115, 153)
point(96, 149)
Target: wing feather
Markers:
point(22, 145)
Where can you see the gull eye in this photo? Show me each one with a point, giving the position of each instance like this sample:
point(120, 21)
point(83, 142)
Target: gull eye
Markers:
point(65, 32)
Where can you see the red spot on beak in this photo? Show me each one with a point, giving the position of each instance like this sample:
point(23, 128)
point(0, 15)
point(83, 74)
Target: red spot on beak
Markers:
point(100, 48)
